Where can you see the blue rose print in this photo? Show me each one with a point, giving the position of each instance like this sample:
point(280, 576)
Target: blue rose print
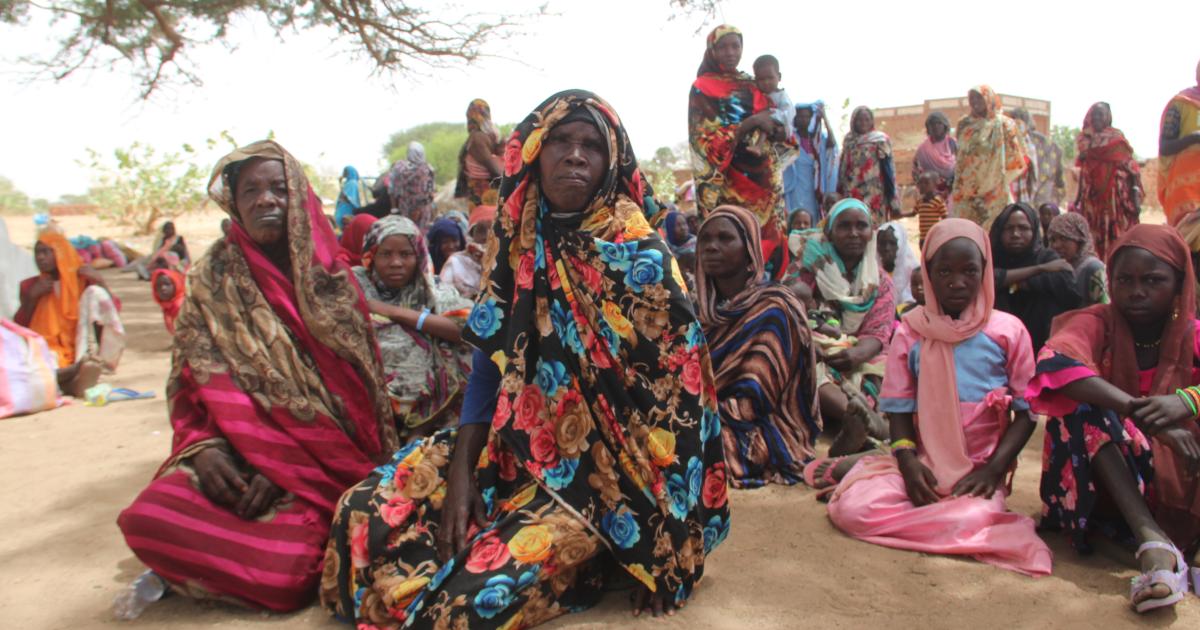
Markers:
point(551, 375)
point(710, 424)
point(564, 327)
point(495, 596)
point(539, 254)
point(622, 528)
point(485, 318)
point(646, 269)
point(714, 533)
point(619, 256)
point(611, 338)
point(561, 475)
point(694, 336)
point(677, 491)
point(695, 479)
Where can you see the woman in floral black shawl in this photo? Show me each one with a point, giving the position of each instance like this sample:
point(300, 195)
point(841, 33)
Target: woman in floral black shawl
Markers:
point(603, 450)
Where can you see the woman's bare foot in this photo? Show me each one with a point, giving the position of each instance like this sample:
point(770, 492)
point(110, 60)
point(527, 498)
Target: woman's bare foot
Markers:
point(656, 603)
point(75, 380)
point(877, 427)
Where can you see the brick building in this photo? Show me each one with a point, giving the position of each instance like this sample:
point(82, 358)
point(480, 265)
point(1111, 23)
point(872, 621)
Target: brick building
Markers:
point(906, 124)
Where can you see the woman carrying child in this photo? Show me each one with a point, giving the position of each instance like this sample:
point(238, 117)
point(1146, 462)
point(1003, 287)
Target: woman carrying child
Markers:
point(1121, 448)
point(956, 372)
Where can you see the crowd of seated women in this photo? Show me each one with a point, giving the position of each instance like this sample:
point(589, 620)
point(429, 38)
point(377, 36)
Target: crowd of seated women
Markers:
point(483, 425)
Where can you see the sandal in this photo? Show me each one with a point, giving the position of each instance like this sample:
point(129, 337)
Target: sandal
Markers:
point(1176, 580)
point(825, 483)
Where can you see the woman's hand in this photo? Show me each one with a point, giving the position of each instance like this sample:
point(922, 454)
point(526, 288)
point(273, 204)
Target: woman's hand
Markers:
point(656, 603)
point(1155, 413)
point(919, 481)
point(220, 479)
point(981, 482)
point(260, 495)
point(44, 285)
point(1183, 442)
point(844, 360)
point(462, 508)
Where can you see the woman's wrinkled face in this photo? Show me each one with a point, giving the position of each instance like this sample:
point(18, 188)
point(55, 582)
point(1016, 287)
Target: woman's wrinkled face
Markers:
point(44, 258)
point(862, 121)
point(978, 105)
point(1143, 287)
point(888, 247)
point(721, 249)
point(1066, 248)
point(1017, 236)
point(164, 288)
point(261, 198)
point(956, 273)
point(395, 261)
point(447, 245)
point(571, 166)
point(937, 130)
point(728, 52)
point(851, 233)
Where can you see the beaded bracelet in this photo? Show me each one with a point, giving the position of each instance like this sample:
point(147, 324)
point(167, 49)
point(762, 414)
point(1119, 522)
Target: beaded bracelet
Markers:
point(1190, 397)
point(903, 445)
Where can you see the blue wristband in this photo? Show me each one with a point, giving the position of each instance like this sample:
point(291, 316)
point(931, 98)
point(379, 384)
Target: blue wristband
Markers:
point(421, 319)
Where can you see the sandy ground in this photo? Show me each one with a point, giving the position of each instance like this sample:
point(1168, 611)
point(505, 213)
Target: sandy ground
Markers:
point(66, 474)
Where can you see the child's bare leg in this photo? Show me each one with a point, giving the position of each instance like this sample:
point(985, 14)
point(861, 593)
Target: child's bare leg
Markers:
point(1118, 480)
point(851, 430)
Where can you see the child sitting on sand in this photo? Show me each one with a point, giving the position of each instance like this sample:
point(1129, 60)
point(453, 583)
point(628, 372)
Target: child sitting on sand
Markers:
point(956, 374)
point(1119, 384)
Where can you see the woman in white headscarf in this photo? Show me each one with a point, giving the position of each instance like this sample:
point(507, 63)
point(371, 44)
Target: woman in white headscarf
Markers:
point(897, 258)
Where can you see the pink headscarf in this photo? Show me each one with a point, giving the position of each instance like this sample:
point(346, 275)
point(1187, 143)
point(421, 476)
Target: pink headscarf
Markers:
point(943, 444)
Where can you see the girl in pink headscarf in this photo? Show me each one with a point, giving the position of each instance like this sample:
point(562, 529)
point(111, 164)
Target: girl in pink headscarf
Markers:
point(956, 373)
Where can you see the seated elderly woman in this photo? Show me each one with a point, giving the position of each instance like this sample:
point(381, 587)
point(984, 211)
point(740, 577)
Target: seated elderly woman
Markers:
point(69, 305)
point(593, 401)
point(418, 323)
point(839, 267)
point(762, 355)
point(276, 399)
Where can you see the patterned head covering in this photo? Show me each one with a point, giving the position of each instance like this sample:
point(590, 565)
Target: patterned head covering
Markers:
point(479, 115)
point(441, 228)
point(588, 321)
point(990, 99)
point(1073, 227)
point(315, 301)
point(855, 297)
point(422, 287)
point(747, 226)
point(710, 64)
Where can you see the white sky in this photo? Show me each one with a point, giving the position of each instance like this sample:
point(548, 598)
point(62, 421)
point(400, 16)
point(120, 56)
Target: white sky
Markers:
point(328, 109)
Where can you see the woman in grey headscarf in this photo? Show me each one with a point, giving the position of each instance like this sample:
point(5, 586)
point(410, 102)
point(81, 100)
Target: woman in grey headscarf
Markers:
point(412, 186)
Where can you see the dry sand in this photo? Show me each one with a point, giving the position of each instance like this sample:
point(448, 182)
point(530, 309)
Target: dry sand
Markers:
point(66, 474)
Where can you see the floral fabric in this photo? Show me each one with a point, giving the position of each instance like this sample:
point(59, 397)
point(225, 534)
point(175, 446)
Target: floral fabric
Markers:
point(990, 157)
point(606, 419)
